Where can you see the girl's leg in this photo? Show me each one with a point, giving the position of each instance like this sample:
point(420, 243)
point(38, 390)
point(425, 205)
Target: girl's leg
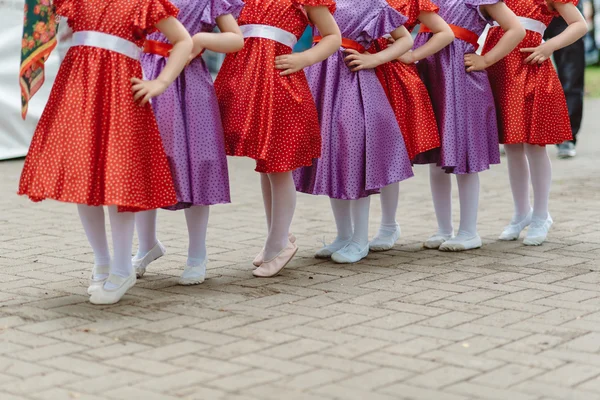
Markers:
point(122, 226)
point(150, 249)
point(122, 275)
point(279, 249)
point(389, 230)
point(92, 219)
point(145, 224)
point(342, 213)
point(541, 180)
point(283, 205)
point(467, 238)
point(265, 185)
point(358, 248)
point(197, 223)
point(518, 174)
point(441, 191)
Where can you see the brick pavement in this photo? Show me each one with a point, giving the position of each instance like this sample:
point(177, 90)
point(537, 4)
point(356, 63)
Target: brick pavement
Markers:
point(502, 322)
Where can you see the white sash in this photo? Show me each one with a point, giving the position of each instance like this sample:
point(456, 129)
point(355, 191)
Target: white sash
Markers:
point(530, 25)
point(270, 32)
point(107, 42)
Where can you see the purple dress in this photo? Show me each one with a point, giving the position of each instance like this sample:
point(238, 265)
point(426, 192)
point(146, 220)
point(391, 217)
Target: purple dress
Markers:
point(188, 113)
point(362, 146)
point(463, 101)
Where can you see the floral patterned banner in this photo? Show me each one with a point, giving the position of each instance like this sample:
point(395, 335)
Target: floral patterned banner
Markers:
point(39, 39)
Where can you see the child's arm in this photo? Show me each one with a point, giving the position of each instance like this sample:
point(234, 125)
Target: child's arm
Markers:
point(331, 42)
point(229, 40)
point(403, 42)
point(513, 34)
point(182, 46)
point(442, 37)
point(577, 29)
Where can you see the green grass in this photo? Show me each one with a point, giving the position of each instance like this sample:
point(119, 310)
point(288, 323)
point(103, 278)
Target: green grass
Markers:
point(592, 81)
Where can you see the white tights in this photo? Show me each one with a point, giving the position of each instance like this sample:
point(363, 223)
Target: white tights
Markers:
point(389, 206)
point(527, 162)
point(279, 198)
point(122, 226)
point(196, 218)
point(352, 220)
point(468, 190)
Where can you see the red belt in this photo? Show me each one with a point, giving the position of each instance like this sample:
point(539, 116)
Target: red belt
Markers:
point(159, 48)
point(460, 33)
point(346, 43)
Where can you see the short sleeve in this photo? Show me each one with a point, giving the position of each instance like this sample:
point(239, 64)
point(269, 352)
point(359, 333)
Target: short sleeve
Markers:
point(152, 12)
point(64, 8)
point(384, 21)
point(574, 2)
point(216, 8)
point(427, 6)
point(330, 4)
point(478, 3)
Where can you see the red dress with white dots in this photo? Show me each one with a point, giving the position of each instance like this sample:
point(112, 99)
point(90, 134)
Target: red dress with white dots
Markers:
point(405, 89)
point(270, 118)
point(530, 100)
point(94, 145)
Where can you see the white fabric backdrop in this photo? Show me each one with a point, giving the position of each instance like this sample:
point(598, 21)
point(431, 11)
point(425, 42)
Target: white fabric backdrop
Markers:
point(15, 134)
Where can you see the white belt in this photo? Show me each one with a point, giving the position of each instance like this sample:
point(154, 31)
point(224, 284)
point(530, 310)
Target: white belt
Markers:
point(107, 42)
point(530, 25)
point(270, 32)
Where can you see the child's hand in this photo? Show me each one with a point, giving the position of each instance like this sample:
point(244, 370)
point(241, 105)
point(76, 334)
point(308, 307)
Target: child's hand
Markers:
point(145, 90)
point(475, 62)
point(357, 61)
point(538, 54)
point(291, 63)
point(407, 58)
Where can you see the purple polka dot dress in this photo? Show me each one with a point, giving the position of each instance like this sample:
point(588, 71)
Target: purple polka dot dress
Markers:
point(463, 101)
point(362, 147)
point(188, 113)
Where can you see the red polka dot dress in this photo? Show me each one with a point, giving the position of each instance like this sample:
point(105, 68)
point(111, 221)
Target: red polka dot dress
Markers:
point(405, 89)
point(268, 117)
point(530, 100)
point(94, 145)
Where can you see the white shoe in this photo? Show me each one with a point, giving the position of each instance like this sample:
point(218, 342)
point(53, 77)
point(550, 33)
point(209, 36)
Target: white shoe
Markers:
point(95, 284)
point(350, 254)
point(328, 250)
point(435, 241)
point(538, 231)
point(141, 263)
point(461, 244)
point(193, 275)
point(513, 231)
point(386, 241)
point(104, 296)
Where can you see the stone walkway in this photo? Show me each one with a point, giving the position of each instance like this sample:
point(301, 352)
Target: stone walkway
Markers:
point(503, 322)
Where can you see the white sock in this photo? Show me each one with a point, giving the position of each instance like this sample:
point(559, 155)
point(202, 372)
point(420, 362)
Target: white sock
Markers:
point(518, 173)
point(389, 205)
point(441, 191)
point(145, 223)
point(342, 213)
point(92, 219)
point(541, 179)
point(197, 223)
point(122, 226)
point(468, 191)
point(283, 205)
point(360, 220)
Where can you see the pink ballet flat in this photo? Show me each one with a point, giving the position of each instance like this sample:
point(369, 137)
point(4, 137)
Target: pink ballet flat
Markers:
point(260, 258)
point(274, 266)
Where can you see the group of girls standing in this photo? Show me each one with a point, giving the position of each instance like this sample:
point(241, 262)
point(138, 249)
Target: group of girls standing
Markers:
point(346, 119)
